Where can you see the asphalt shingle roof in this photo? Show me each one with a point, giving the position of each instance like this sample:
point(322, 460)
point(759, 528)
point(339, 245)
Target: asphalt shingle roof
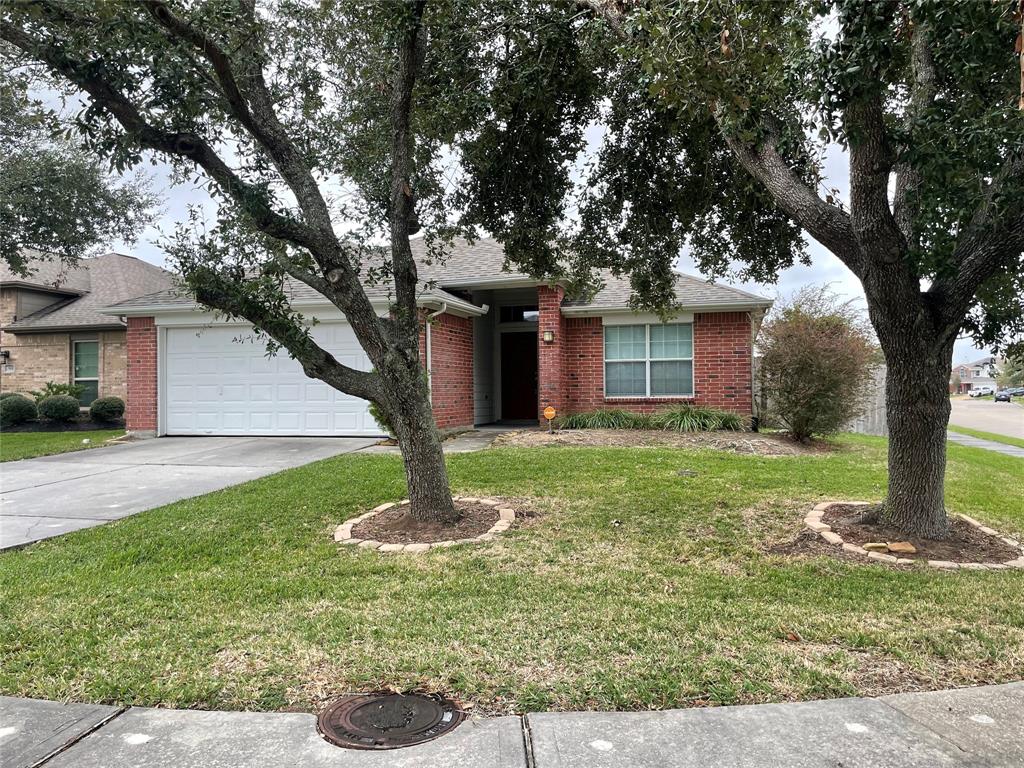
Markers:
point(101, 281)
point(483, 260)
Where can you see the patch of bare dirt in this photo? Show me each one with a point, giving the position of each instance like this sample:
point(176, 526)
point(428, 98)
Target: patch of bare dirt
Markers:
point(965, 543)
point(398, 526)
point(750, 443)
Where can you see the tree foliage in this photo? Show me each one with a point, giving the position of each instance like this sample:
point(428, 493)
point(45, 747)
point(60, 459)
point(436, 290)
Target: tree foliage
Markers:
point(818, 363)
point(54, 198)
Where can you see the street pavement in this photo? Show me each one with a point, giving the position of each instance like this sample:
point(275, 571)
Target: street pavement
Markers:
point(989, 416)
point(966, 728)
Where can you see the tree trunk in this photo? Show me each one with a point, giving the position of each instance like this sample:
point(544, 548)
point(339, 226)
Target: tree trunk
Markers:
point(917, 407)
point(411, 416)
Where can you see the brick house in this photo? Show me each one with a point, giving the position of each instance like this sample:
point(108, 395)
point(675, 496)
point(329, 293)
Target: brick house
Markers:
point(500, 347)
point(980, 373)
point(51, 328)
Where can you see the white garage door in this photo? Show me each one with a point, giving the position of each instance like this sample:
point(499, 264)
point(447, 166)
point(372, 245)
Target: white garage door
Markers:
point(219, 381)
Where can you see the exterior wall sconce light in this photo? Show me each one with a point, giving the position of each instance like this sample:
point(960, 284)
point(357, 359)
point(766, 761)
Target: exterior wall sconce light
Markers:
point(549, 336)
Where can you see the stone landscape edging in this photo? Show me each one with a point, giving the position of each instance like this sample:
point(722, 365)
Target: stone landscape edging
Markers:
point(343, 533)
point(824, 530)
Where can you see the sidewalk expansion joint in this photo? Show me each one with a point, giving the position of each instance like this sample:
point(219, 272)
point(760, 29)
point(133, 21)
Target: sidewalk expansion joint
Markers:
point(80, 737)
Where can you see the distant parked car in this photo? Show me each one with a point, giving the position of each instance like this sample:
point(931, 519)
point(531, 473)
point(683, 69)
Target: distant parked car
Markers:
point(982, 390)
point(1017, 392)
point(1003, 396)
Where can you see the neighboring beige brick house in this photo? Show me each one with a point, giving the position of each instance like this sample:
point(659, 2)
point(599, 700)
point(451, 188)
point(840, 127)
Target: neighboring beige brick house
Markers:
point(51, 328)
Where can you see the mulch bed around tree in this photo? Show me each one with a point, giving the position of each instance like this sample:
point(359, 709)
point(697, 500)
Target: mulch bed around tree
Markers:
point(965, 544)
point(398, 526)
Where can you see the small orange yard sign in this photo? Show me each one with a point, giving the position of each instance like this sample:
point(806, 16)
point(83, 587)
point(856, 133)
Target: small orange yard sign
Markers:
point(549, 413)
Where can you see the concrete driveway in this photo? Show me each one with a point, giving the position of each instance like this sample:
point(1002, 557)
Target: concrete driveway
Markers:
point(988, 416)
point(52, 495)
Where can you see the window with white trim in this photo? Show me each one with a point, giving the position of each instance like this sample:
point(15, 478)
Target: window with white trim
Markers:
point(648, 360)
point(87, 370)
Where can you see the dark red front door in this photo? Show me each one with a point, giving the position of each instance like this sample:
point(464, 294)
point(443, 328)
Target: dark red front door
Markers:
point(519, 376)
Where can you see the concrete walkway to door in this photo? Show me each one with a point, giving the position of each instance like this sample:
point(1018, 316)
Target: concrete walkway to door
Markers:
point(51, 495)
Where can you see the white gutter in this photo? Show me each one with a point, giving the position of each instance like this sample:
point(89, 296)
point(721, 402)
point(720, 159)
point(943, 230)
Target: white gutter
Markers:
point(453, 303)
point(590, 310)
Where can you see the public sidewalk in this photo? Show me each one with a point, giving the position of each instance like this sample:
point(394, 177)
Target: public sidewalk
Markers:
point(966, 728)
point(990, 445)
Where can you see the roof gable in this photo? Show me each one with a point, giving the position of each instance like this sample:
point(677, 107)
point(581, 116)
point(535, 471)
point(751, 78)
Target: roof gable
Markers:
point(102, 281)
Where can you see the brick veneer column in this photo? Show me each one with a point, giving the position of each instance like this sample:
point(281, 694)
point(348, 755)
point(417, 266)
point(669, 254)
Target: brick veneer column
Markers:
point(550, 355)
point(141, 407)
point(722, 355)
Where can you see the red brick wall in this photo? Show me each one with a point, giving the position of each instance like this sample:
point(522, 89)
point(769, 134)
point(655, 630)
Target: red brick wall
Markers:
point(451, 375)
point(722, 350)
point(141, 406)
point(550, 355)
point(722, 357)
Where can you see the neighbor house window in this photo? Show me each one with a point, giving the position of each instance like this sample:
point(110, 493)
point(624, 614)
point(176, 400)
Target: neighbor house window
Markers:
point(87, 370)
point(648, 360)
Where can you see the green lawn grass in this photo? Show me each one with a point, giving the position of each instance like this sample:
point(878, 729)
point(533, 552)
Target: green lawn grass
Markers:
point(26, 445)
point(633, 588)
point(993, 436)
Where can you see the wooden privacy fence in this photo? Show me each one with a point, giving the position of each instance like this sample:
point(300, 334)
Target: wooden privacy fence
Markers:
point(873, 420)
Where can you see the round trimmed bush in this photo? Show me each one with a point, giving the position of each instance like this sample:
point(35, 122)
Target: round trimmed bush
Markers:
point(107, 409)
point(5, 395)
point(16, 409)
point(61, 408)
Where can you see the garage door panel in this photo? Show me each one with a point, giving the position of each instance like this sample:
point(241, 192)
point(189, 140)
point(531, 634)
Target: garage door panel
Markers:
point(217, 381)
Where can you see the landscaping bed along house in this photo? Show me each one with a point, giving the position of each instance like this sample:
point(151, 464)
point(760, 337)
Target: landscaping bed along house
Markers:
point(640, 578)
point(53, 420)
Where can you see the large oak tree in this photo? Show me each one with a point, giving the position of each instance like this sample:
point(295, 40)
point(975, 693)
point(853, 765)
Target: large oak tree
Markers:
point(722, 111)
point(322, 130)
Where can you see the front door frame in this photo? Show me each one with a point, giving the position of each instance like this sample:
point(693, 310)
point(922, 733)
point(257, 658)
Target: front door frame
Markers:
point(520, 328)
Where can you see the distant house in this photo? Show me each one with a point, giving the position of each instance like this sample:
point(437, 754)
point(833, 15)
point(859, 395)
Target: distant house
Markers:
point(51, 328)
point(980, 373)
point(499, 346)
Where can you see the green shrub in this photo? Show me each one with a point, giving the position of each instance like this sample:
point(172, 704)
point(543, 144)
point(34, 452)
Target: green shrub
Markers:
point(383, 421)
point(5, 395)
point(16, 409)
point(676, 418)
point(52, 389)
point(818, 361)
point(62, 408)
point(606, 418)
point(691, 418)
point(107, 409)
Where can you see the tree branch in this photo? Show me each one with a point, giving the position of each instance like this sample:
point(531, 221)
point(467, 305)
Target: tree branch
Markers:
point(991, 243)
point(343, 285)
point(922, 95)
point(187, 145)
point(250, 104)
point(402, 202)
point(826, 223)
point(316, 362)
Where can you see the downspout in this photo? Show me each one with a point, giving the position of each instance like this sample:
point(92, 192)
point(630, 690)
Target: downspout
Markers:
point(432, 316)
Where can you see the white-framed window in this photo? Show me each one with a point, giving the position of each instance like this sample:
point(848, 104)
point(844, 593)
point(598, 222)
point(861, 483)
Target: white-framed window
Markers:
point(652, 360)
point(86, 370)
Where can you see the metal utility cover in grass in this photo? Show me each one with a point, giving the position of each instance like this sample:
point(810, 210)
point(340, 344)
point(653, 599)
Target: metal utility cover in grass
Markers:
point(387, 720)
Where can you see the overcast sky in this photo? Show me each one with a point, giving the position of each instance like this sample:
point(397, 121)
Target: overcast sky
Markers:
point(824, 268)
